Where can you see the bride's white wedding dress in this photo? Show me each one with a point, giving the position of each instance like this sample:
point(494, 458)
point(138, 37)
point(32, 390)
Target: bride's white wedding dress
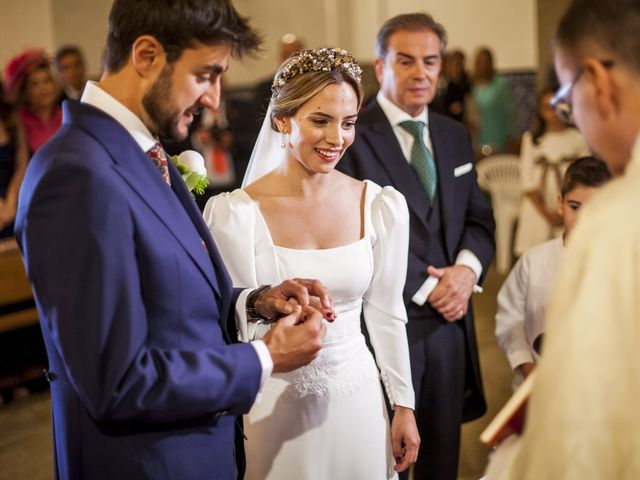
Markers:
point(327, 420)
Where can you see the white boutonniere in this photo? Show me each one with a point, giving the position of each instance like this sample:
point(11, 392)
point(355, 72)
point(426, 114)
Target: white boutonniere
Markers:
point(190, 164)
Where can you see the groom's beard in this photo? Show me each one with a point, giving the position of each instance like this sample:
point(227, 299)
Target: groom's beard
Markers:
point(165, 116)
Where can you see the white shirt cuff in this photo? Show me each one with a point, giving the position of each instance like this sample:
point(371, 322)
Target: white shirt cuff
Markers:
point(518, 356)
point(468, 259)
point(265, 361)
point(241, 313)
point(261, 349)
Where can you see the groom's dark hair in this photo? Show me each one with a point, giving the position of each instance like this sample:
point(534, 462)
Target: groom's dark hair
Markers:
point(177, 25)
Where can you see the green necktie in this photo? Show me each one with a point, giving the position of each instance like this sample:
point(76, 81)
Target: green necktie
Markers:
point(421, 158)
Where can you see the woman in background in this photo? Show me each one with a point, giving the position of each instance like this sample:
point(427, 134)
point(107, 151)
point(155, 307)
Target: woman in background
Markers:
point(495, 107)
point(546, 153)
point(32, 87)
point(453, 87)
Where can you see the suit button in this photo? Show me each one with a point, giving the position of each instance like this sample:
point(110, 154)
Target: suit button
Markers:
point(222, 413)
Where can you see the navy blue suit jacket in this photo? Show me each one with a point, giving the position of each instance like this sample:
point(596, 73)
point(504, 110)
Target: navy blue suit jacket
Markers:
point(467, 220)
point(134, 304)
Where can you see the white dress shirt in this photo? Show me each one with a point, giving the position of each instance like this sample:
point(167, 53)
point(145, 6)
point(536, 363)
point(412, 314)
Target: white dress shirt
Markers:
point(96, 97)
point(523, 300)
point(396, 115)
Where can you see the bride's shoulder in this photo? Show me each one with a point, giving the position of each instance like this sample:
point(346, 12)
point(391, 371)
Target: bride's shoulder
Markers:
point(386, 196)
point(344, 182)
point(227, 204)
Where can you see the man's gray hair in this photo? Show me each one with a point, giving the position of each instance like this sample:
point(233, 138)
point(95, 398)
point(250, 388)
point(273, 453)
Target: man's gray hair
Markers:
point(411, 22)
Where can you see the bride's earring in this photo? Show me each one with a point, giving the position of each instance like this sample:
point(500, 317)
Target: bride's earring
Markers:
point(283, 140)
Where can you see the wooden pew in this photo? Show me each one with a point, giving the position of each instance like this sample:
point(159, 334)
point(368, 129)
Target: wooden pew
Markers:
point(16, 297)
point(17, 310)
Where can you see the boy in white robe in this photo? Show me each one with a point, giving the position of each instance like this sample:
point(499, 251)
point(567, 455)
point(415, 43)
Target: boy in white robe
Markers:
point(524, 296)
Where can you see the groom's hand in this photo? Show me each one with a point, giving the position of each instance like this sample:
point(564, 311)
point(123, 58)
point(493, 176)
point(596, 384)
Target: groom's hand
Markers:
point(296, 339)
point(282, 299)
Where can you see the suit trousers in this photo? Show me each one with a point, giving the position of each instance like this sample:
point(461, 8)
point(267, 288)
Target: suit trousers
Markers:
point(437, 351)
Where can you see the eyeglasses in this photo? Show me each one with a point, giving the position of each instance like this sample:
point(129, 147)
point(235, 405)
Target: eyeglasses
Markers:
point(561, 101)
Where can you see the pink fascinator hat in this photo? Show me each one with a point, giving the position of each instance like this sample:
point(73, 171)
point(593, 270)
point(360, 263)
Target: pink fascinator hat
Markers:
point(16, 71)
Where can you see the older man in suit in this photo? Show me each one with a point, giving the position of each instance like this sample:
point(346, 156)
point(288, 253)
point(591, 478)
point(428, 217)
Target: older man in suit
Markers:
point(136, 307)
point(429, 159)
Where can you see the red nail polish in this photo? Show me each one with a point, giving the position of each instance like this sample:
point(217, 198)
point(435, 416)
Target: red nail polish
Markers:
point(330, 316)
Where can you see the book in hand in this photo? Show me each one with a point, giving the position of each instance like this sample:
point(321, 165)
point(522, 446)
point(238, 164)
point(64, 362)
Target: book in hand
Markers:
point(510, 419)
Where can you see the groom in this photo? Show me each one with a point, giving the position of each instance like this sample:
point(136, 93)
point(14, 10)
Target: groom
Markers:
point(136, 307)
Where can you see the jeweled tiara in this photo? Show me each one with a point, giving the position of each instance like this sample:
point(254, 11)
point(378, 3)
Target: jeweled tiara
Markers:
point(317, 60)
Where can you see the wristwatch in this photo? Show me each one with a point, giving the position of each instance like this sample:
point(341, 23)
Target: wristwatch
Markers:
point(250, 305)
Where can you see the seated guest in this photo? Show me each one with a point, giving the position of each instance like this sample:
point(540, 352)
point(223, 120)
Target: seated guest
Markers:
point(523, 298)
point(71, 70)
point(13, 162)
point(22, 354)
point(30, 85)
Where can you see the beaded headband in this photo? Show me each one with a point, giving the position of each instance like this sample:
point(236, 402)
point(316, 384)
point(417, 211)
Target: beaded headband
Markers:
point(317, 60)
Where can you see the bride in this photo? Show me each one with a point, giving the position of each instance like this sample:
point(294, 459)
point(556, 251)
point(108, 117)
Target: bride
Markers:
point(298, 216)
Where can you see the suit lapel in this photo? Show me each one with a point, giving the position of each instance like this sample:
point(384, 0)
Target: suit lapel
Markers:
point(387, 149)
point(443, 156)
point(133, 165)
point(180, 189)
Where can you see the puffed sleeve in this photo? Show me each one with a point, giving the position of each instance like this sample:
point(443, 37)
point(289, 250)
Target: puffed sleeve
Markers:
point(384, 310)
point(231, 218)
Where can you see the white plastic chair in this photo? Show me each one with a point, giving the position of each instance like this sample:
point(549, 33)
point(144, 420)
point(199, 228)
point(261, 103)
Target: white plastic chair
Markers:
point(500, 176)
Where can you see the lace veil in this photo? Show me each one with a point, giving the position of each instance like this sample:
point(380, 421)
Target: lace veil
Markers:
point(267, 153)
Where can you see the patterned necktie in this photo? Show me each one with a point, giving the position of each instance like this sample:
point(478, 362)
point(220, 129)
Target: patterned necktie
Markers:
point(159, 159)
point(421, 158)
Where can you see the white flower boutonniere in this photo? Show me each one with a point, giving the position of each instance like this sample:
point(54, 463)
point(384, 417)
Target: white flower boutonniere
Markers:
point(190, 164)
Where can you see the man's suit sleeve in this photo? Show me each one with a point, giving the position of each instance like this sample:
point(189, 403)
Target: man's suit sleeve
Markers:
point(348, 164)
point(80, 240)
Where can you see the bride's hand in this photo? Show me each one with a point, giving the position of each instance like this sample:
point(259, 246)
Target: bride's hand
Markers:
point(405, 438)
point(315, 302)
point(282, 299)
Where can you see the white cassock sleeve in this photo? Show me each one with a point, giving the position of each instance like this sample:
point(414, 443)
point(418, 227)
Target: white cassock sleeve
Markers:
point(510, 317)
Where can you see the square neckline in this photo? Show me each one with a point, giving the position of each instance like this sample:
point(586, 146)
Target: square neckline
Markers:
point(363, 221)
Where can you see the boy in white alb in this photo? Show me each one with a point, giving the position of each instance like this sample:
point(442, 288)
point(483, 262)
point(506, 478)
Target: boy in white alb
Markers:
point(525, 294)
